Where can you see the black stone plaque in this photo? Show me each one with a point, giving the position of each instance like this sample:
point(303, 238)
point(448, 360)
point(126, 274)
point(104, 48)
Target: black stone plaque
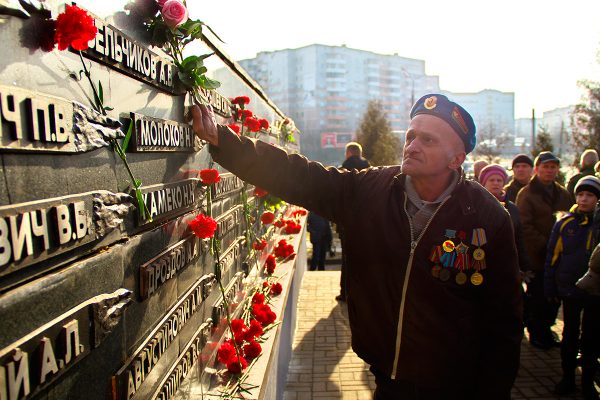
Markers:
point(229, 226)
point(32, 363)
point(167, 265)
point(231, 294)
point(35, 122)
point(35, 231)
point(160, 135)
point(121, 52)
point(131, 376)
point(165, 201)
point(185, 363)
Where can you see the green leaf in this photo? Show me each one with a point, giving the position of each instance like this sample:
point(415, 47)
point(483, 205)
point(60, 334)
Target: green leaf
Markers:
point(127, 136)
point(137, 183)
point(207, 83)
point(108, 108)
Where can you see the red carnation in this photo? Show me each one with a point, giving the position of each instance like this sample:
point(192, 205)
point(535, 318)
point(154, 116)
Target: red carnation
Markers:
point(209, 176)
point(203, 226)
point(254, 331)
point(244, 114)
point(279, 223)
point(259, 245)
point(234, 367)
point(292, 228)
point(276, 289)
point(267, 217)
point(238, 325)
point(264, 124)
point(241, 100)
point(286, 121)
point(75, 28)
point(226, 352)
point(299, 212)
point(252, 349)
point(270, 264)
point(252, 124)
point(283, 249)
point(258, 192)
point(258, 298)
point(234, 128)
point(265, 284)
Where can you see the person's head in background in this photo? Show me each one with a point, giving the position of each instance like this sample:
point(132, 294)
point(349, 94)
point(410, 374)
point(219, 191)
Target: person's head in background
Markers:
point(353, 149)
point(493, 177)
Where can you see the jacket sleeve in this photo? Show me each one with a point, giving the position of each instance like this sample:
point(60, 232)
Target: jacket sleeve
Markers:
point(533, 239)
point(501, 327)
point(291, 177)
point(553, 255)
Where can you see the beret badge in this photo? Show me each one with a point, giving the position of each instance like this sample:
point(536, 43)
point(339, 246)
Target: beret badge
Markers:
point(430, 103)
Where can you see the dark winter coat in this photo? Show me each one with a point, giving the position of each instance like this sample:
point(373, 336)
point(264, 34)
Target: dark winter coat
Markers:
point(524, 263)
point(569, 250)
point(575, 178)
point(318, 227)
point(512, 189)
point(537, 208)
point(463, 339)
point(355, 162)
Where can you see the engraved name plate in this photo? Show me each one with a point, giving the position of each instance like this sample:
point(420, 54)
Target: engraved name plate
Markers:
point(32, 363)
point(34, 231)
point(165, 201)
point(160, 135)
point(128, 380)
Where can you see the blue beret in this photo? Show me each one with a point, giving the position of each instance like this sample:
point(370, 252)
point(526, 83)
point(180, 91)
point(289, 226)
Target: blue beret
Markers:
point(457, 117)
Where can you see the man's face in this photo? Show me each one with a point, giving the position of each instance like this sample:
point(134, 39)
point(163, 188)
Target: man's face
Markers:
point(522, 172)
point(431, 147)
point(547, 172)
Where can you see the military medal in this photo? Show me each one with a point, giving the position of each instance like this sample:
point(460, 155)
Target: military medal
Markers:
point(461, 278)
point(444, 275)
point(479, 239)
point(435, 257)
point(448, 246)
point(478, 254)
point(476, 279)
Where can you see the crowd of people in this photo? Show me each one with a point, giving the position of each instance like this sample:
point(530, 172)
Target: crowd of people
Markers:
point(434, 263)
point(555, 234)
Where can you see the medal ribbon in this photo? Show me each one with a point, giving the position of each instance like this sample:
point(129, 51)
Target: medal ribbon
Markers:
point(478, 265)
point(479, 238)
point(448, 259)
point(462, 262)
point(436, 254)
point(450, 233)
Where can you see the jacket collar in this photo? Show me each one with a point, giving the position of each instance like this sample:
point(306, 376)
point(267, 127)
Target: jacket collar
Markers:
point(460, 191)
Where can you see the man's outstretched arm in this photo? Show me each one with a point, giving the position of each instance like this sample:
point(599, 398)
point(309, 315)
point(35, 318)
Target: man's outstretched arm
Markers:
point(290, 177)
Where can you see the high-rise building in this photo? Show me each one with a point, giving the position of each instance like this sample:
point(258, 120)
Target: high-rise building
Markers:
point(493, 111)
point(326, 89)
point(556, 122)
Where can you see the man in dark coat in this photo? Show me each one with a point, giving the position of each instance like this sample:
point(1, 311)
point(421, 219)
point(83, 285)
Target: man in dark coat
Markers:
point(587, 161)
point(354, 160)
point(434, 301)
point(538, 203)
point(522, 167)
point(320, 238)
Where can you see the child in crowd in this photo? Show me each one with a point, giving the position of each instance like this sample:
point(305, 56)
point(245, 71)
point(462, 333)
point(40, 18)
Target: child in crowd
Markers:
point(569, 250)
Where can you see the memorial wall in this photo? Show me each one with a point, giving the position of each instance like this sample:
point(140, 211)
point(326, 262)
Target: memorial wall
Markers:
point(105, 290)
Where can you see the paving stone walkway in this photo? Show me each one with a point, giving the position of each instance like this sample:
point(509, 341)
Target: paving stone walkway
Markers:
point(324, 366)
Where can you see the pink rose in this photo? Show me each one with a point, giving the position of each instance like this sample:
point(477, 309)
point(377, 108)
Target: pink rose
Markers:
point(174, 13)
point(161, 3)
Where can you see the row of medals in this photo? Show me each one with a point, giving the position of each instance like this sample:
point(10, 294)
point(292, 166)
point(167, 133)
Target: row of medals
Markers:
point(444, 274)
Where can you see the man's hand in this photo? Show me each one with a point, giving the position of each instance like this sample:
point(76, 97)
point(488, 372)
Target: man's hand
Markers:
point(205, 124)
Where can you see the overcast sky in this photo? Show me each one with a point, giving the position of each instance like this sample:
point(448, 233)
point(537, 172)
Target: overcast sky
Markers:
point(537, 49)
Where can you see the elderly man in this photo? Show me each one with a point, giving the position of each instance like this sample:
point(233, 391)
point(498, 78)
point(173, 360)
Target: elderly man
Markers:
point(587, 162)
point(433, 288)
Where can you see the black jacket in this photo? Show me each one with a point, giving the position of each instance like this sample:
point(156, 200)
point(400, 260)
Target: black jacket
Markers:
point(463, 339)
point(524, 263)
point(512, 189)
point(355, 162)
